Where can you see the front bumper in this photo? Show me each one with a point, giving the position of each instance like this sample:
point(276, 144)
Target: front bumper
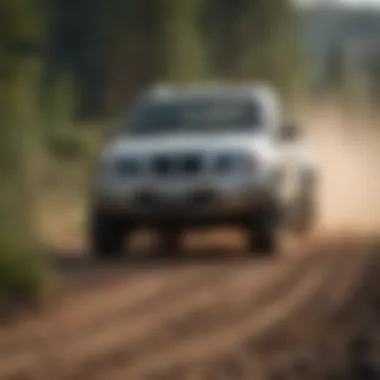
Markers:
point(199, 206)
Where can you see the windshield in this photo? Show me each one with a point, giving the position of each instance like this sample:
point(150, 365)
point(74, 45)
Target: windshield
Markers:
point(152, 116)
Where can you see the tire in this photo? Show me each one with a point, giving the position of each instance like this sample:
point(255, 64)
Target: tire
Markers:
point(305, 217)
point(107, 234)
point(170, 243)
point(306, 207)
point(263, 233)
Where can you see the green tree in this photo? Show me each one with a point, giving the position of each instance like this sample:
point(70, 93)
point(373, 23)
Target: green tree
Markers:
point(20, 27)
point(115, 48)
point(336, 68)
point(257, 40)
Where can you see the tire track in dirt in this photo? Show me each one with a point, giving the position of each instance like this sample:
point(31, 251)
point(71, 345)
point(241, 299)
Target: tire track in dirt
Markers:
point(45, 331)
point(133, 297)
point(219, 341)
point(205, 314)
point(194, 313)
point(60, 324)
point(288, 336)
point(337, 296)
point(309, 330)
point(159, 320)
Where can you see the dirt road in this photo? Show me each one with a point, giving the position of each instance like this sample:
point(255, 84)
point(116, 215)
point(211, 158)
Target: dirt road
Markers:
point(139, 321)
point(216, 319)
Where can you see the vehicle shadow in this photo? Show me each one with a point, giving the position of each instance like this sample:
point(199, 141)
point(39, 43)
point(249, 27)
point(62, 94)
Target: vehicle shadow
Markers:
point(67, 261)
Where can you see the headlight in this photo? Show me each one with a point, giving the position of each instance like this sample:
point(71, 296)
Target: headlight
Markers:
point(226, 163)
point(126, 167)
point(250, 163)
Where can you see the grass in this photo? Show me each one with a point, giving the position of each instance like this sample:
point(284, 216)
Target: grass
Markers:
point(24, 277)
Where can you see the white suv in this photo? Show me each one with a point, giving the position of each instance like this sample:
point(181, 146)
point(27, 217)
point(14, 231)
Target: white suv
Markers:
point(196, 156)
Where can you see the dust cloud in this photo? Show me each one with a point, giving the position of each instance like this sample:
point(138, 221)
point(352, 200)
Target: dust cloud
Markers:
point(346, 145)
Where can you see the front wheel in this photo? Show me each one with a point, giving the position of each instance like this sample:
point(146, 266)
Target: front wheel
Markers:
point(170, 243)
point(264, 233)
point(107, 234)
point(305, 216)
point(304, 213)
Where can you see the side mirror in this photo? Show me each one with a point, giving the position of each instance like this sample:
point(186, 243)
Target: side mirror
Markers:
point(290, 132)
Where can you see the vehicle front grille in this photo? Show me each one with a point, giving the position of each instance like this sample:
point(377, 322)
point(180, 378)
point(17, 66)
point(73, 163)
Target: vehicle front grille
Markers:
point(163, 166)
point(177, 165)
point(192, 164)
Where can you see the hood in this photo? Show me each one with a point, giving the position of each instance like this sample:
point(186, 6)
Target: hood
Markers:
point(210, 142)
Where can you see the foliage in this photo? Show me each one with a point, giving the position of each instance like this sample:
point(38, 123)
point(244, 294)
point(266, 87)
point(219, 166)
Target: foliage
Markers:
point(115, 48)
point(22, 273)
point(336, 69)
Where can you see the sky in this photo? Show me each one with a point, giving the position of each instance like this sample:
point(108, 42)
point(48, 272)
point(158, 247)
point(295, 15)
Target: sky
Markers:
point(356, 3)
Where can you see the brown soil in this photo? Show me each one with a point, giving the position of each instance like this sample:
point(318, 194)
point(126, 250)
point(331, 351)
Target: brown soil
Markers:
point(195, 318)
